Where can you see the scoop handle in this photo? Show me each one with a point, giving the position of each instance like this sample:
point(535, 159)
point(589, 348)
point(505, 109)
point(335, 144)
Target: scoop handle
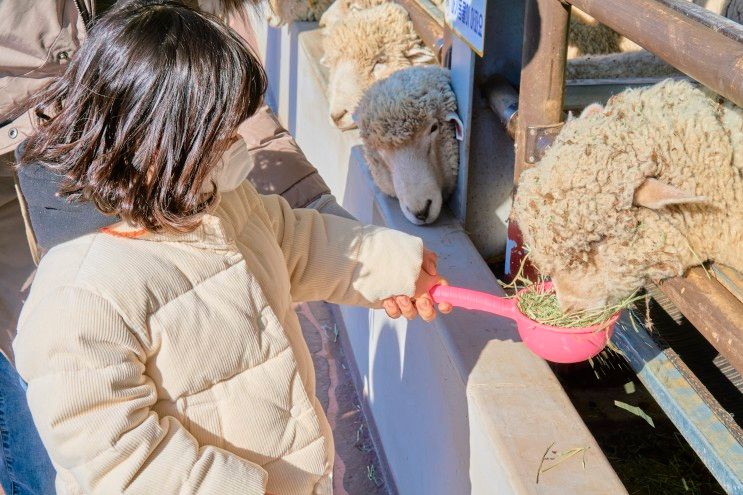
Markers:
point(472, 299)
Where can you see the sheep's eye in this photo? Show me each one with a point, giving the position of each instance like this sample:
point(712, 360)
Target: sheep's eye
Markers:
point(434, 127)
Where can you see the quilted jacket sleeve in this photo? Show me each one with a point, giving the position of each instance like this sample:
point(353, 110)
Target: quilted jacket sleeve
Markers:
point(92, 404)
point(339, 260)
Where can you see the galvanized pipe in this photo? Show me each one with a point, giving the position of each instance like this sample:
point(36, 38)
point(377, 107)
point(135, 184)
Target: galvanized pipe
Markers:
point(680, 35)
point(503, 100)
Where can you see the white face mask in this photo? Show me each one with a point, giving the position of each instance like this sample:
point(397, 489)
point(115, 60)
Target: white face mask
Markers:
point(233, 167)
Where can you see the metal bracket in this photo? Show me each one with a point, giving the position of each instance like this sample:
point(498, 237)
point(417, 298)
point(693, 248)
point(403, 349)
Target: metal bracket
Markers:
point(442, 48)
point(539, 139)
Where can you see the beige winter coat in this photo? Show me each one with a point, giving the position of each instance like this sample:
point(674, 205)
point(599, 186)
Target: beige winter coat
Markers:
point(174, 364)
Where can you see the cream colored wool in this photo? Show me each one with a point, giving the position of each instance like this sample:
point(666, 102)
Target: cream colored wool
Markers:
point(367, 46)
point(575, 207)
point(589, 37)
point(340, 8)
point(396, 110)
point(381, 34)
point(288, 11)
point(175, 364)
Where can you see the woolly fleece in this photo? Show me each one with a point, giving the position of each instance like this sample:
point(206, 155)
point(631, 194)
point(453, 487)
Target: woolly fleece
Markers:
point(589, 37)
point(384, 32)
point(287, 11)
point(393, 110)
point(575, 208)
point(341, 8)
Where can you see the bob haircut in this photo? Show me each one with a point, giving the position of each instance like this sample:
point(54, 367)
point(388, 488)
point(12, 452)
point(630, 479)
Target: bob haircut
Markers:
point(141, 117)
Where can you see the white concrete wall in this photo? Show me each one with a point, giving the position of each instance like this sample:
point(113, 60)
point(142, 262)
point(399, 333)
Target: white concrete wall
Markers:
point(460, 406)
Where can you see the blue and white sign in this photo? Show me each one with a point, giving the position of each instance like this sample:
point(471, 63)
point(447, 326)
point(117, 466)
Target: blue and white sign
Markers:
point(467, 19)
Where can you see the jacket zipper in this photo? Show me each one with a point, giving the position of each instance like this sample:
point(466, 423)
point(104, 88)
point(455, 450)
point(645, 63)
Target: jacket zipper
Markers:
point(87, 18)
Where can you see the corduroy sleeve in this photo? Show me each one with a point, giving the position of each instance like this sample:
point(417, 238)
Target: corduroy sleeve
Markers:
point(339, 260)
point(92, 403)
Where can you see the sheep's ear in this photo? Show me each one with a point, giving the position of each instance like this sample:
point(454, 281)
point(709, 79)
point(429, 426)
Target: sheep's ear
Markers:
point(458, 126)
point(592, 109)
point(655, 195)
point(419, 55)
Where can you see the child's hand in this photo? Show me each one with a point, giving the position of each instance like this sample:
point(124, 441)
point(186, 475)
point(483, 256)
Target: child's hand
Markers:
point(421, 303)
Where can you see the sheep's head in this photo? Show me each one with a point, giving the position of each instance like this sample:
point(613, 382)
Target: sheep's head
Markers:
point(594, 217)
point(283, 12)
point(365, 47)
point(341, 8)
point(409, 126)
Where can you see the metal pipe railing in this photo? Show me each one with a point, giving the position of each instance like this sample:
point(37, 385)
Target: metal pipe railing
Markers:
point(542, 85)
point(716, 22)
point(703, 46)
point(503, 100)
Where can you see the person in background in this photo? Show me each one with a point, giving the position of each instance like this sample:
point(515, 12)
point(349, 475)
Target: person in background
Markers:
point(162, 353)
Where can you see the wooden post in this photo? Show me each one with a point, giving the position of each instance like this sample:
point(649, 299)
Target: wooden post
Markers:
point(541, 91)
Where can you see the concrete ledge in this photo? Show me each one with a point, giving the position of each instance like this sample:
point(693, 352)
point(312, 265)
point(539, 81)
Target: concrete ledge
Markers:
point(460, 406)
point(463, 401)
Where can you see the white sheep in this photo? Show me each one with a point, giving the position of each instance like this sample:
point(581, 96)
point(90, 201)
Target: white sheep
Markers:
point(367, 46)
point(286, 11)
point(410, 128)
point(636, 191)
point(340, 8)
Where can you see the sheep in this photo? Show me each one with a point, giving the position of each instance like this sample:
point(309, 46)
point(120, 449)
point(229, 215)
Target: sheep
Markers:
point(410, 129)
point(636, 191)
point(365, 47)
point(340, 8)
point(589, 37)
point(286, 11)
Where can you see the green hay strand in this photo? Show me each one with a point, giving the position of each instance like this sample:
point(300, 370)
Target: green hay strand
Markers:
point(543, 307)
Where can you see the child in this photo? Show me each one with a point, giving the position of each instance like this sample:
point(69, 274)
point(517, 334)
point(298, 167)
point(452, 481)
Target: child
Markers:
point(162, 353)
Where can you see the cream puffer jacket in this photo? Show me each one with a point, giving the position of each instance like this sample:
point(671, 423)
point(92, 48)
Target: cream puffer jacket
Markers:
point(175, 364)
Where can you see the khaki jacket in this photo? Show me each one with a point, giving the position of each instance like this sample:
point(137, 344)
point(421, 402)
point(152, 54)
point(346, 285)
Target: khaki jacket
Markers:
point(38, 38)
point(175, 364)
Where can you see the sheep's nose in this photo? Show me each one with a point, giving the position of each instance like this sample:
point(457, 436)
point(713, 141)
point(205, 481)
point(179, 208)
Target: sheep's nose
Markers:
point(422, 215)
point(338, 115)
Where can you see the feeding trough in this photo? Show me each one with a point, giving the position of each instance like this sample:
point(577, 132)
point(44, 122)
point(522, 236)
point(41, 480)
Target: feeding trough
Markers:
point(553, 343)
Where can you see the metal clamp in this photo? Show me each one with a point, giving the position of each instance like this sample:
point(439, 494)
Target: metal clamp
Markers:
point(539, 139)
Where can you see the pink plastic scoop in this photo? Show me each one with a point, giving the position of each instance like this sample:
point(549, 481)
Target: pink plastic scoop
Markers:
point(556, 344)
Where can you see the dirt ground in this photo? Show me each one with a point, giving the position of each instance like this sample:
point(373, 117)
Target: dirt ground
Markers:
point(357, 470)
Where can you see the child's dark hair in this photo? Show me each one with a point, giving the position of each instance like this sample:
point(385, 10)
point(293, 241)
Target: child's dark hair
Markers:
point(142, 115)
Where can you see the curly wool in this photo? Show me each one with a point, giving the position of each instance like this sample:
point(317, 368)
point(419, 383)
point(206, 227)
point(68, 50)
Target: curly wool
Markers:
point(287, 11)
point(341, 8)
point(589, 37)
point(366, 36)
point(395, 109)
point(577, 205)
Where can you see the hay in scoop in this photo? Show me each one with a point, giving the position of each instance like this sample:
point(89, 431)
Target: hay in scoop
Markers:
point(542, 306)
